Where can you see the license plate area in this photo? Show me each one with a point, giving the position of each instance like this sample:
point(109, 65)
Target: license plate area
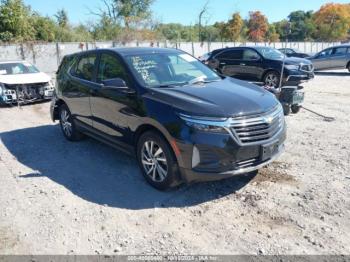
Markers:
point(269, 150)
point(298, 97)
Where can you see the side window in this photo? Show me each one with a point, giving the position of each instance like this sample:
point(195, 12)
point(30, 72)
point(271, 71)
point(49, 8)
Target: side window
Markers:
point(249, 54)
point(325, 53)
point(340, 51)
point(109, 68)
point(85, 67)
point(231, 55)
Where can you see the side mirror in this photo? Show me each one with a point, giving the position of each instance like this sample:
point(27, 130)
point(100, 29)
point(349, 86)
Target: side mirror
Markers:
point(114, 82)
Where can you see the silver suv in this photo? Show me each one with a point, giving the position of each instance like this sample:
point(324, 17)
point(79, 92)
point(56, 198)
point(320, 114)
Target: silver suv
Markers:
point(337, 57)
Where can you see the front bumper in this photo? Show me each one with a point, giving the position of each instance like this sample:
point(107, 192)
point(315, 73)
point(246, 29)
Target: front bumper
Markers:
point(222, 157)
point(295, 77)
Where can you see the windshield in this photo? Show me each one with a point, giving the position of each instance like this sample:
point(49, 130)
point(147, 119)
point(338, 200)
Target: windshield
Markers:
point(170, 69)
point(17, 68)
point(270, 53)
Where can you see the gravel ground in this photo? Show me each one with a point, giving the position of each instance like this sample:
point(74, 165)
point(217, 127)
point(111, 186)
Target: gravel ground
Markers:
point(59, 197)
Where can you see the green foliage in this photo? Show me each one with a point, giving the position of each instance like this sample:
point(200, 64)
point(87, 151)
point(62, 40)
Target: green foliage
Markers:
point(127, 20)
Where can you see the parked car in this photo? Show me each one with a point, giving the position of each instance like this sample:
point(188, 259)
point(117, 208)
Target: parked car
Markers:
point(260, 64)
point(290, 52)
point(337, 57)
point(181, 120)
point(22, 82)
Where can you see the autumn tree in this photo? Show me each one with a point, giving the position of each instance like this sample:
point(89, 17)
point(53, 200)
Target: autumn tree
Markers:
point(257, 26)
point(234, 27)
point(332, 22)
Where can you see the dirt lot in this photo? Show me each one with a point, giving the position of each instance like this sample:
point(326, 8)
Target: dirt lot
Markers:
point(58, 197)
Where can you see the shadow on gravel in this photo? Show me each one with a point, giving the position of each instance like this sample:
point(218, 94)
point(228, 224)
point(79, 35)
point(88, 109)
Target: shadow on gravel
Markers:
point(102, 175)
point(324, 73)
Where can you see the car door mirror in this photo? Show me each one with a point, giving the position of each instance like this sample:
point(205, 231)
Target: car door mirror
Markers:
point(117, 84)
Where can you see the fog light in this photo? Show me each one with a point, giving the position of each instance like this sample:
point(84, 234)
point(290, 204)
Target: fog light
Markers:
point(196, 159)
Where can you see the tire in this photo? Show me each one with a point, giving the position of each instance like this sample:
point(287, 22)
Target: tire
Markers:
point(295, 109)
point(272, 79)
point(68, 126)
point(157, 161)
point(349, 66)
point(286, 109)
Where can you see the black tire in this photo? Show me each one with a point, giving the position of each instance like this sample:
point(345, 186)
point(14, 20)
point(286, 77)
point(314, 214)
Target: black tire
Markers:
point(66, 121)
point(286, 109)
point(349, 66)
point(272, 79)
point(295, 109)
point(156, 176)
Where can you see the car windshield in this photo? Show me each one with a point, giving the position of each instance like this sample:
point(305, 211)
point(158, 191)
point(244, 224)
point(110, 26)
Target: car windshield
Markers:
point(169, 69)
point(17, 68)
point(270, 53)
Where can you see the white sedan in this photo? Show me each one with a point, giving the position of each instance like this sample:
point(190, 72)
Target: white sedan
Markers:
point(22, 82)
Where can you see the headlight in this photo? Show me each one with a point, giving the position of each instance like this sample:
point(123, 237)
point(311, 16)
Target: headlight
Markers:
point(292, 67)
point(205, 124)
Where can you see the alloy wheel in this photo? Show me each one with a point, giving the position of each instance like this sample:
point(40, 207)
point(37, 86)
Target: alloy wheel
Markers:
point(154, 161)
point(271, 80)
point(66, 122)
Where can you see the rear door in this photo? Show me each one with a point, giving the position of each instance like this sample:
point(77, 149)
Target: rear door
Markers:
point(338, 57)
point(230, 62)
point(322, 59)
point(77, 90)
point(251, 65)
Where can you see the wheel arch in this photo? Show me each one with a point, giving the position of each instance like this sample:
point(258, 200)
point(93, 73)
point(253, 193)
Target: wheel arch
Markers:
point(56, 106)
point(163, 133)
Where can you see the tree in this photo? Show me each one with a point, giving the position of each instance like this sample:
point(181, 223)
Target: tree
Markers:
point(62, 18)
point(272, 34)
point(257, 26)
point(234, 27)
point(44, 28)
point(130, 12)
point(332, 22)
point(223, 31)
point(15, 21)
point(301, 25)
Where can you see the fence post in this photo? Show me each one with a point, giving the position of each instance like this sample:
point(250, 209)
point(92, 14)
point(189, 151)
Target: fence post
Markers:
point(58, 53)
point(192, 48)
point(22, 52)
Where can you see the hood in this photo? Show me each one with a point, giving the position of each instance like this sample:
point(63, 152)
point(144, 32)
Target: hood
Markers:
point(24, 78)
point(296, 61)
point(225, 98)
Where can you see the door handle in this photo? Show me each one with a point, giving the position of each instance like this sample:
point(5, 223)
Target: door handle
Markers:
point(222, 63)
point(242, 64)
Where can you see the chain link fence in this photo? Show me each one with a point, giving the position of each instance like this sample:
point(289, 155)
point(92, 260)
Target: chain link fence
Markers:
point(47, 56)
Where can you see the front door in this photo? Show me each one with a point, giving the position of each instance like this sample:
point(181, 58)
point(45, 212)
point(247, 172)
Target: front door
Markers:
point(111, 107)
point(338, 57)
point(322, 60)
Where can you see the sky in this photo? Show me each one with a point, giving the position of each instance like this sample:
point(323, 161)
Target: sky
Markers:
point(185, 11)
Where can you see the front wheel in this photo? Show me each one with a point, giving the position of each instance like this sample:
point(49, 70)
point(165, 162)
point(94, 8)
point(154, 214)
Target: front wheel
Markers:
point(157, 161)
point(67, 124)
point(272, 79)
point(295, 109)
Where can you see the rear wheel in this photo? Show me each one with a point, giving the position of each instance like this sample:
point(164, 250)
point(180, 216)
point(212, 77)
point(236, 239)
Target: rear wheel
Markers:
point(67, 124)
point(157, 161)
point(272, 79)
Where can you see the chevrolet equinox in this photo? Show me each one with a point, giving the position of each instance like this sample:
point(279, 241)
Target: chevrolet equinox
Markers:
point(183, 122)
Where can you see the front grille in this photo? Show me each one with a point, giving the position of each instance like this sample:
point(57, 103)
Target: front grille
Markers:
point(307, 68)
point(259, 128)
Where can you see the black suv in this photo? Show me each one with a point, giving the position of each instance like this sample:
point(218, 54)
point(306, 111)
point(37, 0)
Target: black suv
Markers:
point(181, 120)
point(259, 64)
